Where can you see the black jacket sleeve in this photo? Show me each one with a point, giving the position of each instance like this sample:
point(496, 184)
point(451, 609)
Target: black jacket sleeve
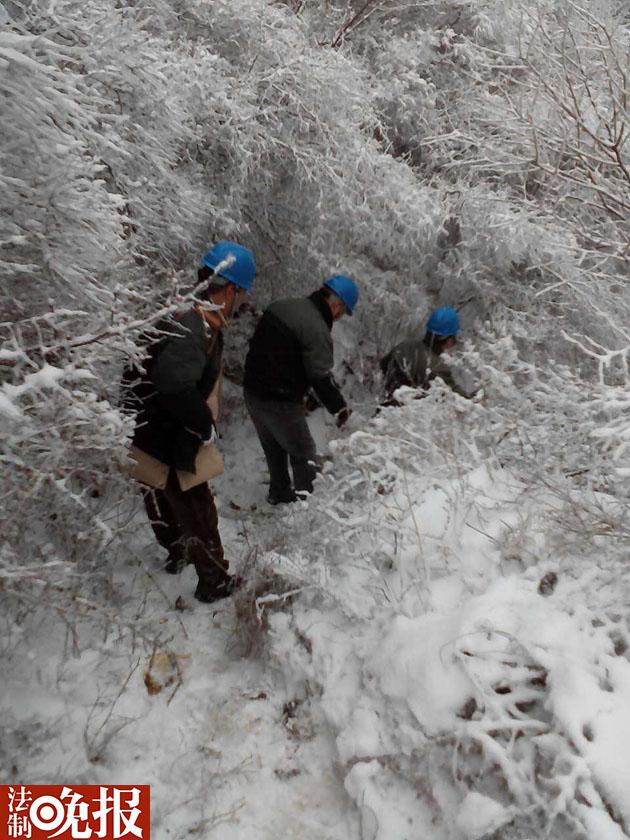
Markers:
point(317, 356)
point(190, 409)
point(328, 392)
point(177, 371)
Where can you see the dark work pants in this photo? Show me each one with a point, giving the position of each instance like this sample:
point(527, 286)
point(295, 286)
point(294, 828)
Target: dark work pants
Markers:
point(186, 524)
point(284, 436)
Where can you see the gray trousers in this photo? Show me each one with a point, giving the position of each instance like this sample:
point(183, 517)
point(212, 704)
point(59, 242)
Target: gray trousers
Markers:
point(284, 436)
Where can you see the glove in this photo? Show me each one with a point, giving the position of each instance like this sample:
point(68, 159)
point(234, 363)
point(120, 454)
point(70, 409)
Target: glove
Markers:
point(342, 417)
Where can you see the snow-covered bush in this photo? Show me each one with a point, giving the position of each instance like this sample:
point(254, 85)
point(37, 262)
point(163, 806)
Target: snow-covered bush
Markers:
point(540, 135)
point(462, 625)
point(458, 596)
point(147, 133)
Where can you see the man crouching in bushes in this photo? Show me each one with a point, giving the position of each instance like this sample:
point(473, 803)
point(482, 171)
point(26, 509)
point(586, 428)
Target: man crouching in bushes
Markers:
point(169, 394)
point(416, 362)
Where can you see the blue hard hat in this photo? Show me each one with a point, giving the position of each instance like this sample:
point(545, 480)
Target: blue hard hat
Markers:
point(241, 270)
point(443, 322)
point(344, 288)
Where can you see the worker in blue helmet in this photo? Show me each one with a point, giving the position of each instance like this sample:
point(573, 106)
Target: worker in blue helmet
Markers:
point(290, 353)
point(170, 394)
point(416, 361)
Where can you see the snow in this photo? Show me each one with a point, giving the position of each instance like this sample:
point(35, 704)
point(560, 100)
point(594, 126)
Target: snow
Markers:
point(480, 815)
point(392, 688)
point(485, 658)
point(409, 666)
point(47, 377)
point(9, 408)
point(436, 644)
point(223, 758)
point(215, 750)
point(599, 827)
point(410, 677)
point(607, 751)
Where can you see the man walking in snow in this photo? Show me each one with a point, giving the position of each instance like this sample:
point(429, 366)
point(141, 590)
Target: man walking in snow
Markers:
point(169, 394)
point(292, 351)
point(416, 362)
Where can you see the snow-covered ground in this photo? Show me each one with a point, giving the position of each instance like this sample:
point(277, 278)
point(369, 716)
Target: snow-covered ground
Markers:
point(219, 740)
point(444, 670)
point(436, 645)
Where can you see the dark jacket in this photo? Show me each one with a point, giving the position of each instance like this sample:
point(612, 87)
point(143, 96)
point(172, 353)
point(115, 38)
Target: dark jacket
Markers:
point(170, 390)
point(414, 364)
point(291, 351)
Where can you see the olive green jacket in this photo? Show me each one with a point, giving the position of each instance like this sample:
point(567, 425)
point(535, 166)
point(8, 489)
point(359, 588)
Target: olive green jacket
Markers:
point(413, 364)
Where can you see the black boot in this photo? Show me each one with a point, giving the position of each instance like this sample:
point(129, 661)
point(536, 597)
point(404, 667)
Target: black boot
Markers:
point(209, 593)
point(174, 564)
point(284, 498)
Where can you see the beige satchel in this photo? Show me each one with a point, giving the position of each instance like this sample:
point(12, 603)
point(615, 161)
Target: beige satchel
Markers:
point(216, 397)
point(146, 469)
point(153, 473)
point(208, 464)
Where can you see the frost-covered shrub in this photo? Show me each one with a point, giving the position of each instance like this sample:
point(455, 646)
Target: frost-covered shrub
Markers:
point(462, 623)
point(369, 139)
point(137, 136)
point(62, 226)
point(459, 592)
point(540, 135)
